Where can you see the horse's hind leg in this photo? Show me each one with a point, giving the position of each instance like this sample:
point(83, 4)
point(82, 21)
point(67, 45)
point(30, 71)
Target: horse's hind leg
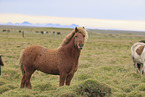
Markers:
point(25, 82)
point(135, 67)
point(142, 68)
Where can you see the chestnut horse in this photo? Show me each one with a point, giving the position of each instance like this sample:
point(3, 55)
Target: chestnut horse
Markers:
point(62, 61)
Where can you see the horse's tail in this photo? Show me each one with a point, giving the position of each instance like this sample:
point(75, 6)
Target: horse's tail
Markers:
point(21, 62)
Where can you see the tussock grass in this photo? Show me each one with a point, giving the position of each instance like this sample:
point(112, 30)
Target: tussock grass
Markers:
point(105, 66)
point(92, 88)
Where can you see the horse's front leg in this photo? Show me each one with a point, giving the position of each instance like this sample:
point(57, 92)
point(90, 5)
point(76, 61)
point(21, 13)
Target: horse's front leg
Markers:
point(69, 78)
point(62, 79)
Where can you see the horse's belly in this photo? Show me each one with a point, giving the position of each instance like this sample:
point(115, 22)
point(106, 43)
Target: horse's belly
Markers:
point(48, 69)
point(47, 63)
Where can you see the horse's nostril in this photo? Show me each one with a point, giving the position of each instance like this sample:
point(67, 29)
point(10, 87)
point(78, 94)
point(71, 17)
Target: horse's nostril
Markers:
point(81, 45)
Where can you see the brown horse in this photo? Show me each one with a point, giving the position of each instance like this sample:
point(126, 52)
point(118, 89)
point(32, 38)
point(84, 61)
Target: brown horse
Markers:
point(62, 61)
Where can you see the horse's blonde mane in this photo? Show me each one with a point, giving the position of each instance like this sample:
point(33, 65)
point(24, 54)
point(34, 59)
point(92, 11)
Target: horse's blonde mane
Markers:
point(70, 36)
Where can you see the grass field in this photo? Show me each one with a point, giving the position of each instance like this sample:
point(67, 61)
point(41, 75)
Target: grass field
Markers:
point(105, 63)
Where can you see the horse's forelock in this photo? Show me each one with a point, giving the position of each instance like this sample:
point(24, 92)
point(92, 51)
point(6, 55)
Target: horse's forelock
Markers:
point(84, 32)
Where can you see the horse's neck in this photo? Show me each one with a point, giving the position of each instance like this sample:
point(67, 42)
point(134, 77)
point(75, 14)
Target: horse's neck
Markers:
point(72, 50)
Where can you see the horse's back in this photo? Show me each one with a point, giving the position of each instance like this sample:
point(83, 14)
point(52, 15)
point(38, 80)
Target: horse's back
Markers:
point(41, 58)
point(33, 50)
point(30, 53)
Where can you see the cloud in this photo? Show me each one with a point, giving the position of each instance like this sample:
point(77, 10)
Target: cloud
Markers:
point(87, 22)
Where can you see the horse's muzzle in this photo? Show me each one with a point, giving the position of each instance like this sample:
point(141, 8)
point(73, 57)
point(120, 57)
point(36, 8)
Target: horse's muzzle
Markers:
point(80, 46)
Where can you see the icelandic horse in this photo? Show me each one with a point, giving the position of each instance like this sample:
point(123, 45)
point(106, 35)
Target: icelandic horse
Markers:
point(62, 61)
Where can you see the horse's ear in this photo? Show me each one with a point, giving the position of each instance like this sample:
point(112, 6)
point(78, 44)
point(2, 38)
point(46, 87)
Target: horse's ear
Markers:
point(83, 27)
point(76, 29)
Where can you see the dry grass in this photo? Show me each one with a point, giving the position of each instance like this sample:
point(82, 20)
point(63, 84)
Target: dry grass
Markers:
point(106, 59)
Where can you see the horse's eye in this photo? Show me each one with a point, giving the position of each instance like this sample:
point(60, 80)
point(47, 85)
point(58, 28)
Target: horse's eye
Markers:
point(76, 36)
point(83, 35)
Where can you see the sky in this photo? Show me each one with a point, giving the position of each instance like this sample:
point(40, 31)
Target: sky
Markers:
point(118, 11)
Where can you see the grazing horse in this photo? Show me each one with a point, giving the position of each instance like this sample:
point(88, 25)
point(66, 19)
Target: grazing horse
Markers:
point(58, 33)
point(4, 30)
point(138, 56)
point(62, 61)
point(36, 31)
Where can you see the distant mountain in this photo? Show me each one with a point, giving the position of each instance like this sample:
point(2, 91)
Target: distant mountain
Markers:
point(9, 23)
point(74, 25)
point(53, 25)
point(61, 26)
point(25, 23)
